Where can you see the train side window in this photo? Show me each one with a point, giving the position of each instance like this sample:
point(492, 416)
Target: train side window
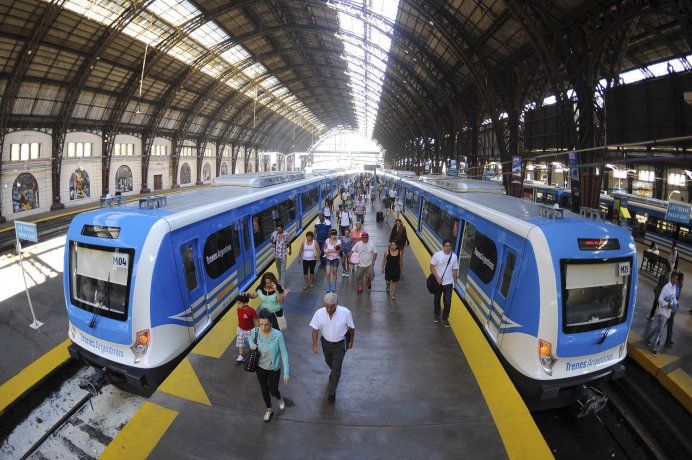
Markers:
point(218, 252)
point(510, 260)
point(189, 267)
point(308, 199)
point(246, 236)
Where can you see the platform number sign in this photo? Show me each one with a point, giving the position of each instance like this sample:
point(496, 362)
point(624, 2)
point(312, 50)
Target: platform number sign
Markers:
point(121, 261)
point(624, 269)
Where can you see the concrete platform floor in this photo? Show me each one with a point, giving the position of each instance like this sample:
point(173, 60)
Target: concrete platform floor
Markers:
point(406, 391)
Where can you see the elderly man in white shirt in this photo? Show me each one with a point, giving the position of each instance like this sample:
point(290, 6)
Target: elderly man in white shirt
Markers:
point(667, 301)
point(335, 324)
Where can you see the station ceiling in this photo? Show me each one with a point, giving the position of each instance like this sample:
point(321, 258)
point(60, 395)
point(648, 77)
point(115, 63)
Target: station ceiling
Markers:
point(277, 73)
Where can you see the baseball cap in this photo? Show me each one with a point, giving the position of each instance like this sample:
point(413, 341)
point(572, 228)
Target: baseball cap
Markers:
point(364, 235)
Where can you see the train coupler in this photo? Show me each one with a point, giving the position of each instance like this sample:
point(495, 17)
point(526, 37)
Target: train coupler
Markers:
point(94, 382)
point(591, 401)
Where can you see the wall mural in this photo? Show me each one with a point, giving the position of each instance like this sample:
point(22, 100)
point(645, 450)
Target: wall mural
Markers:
point(185, 174)
point(123, 179)
point(24, 193)
point(80, 186)
point(206, 172)
point(224, 169)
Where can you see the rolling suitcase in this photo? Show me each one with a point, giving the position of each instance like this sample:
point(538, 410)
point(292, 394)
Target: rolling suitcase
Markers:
point(380, 216)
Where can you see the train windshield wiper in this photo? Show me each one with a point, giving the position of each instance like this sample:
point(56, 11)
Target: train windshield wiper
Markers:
point(100, 304)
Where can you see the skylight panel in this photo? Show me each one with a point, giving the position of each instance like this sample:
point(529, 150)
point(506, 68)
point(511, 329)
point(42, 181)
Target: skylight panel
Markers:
point(235, 55)
point(632, 76)
point(270, 82)
point(367, 42)
point(209, 35)
point(101, 12)
point(175, 12)
point(255, 70)
point(147, 29)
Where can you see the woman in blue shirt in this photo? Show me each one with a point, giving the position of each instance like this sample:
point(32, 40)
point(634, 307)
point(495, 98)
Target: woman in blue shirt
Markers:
point(271, 344)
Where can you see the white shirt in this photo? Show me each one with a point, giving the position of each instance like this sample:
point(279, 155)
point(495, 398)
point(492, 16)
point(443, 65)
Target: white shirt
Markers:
point(367, 252)
point(668, 292)
point(335, 328)
point(392, 193)
point(345, 219)
point(439, 260)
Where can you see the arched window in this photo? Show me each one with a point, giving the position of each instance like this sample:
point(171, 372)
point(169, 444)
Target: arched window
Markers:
point(206, 172)
point(123, 179)
point(185, 174)
point(80, 186)
point(24, 193)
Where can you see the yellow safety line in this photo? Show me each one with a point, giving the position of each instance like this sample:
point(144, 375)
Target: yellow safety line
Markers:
point(520, 435)
point(91, 208)
point(142, 433)
point(678, 382)
point(31, 375)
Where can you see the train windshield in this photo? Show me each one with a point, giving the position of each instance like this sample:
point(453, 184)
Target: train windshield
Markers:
point(595, 295)
point(100, 279)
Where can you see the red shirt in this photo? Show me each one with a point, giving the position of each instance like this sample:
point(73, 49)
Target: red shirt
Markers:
point(245, 317)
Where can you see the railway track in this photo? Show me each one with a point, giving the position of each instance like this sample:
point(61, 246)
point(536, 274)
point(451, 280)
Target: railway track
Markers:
point(46, 229)
point(640, 421)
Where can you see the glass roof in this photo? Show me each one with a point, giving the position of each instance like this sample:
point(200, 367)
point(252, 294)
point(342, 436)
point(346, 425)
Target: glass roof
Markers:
point(163, 18)
point(366, 27)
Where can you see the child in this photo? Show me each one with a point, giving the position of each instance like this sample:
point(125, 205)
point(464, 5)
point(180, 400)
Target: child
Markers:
point(247, 320)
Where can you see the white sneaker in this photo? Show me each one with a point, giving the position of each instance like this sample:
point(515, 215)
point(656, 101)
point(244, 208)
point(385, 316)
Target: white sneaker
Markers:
point(239, 359)
point(282, 405)
point(267, 416)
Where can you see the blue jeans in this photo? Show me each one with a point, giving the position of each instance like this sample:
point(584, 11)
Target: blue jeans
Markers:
point(654, 335)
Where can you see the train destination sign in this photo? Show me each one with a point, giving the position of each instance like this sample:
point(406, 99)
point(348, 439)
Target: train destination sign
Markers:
point(603, 244)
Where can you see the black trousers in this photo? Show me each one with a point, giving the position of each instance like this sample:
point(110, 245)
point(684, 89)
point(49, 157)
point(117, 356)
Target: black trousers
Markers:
point(269, 383)
point(446, 291)
point(334, 357)
point(309, 267)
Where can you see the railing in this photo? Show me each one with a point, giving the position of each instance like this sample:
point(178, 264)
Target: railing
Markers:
point(549, 211)
point(152, 202)
point(108, 201)
point(592, 213)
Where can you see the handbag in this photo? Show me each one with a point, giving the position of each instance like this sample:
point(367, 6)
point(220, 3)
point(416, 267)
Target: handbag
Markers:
point(253, 356)
point(431, 282)
point(281, 321)
point(355, 258)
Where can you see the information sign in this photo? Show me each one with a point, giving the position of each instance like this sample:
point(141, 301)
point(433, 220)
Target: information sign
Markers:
point(678, 212)
point(26, 231)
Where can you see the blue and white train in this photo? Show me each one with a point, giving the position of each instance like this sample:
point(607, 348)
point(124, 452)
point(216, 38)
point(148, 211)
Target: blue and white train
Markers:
point(143, 282)
point(553, 292)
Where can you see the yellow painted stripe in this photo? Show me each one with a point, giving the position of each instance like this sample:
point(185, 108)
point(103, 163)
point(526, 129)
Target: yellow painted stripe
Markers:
point(31, 375)
point(650, 363)
point(184, 383)
point(679, 383)
point(520, 435)
point(142, 433)
point(91, 208)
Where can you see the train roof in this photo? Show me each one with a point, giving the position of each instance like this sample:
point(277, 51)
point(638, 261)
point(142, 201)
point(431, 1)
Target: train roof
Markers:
point(515, 214)
point(182, 209)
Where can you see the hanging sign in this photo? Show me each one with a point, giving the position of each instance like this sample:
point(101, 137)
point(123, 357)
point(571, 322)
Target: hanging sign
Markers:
point(678, 212)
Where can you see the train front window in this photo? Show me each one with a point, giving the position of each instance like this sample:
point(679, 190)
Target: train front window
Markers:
point(100, 279)
point(594, 295)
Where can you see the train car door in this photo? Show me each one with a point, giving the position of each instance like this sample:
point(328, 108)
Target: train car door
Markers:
point(502, 294)
point(246, 268)
point(195, 286)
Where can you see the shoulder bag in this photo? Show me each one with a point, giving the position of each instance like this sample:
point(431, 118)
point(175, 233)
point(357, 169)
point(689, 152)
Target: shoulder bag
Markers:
point(252, 360)
point(432, 283)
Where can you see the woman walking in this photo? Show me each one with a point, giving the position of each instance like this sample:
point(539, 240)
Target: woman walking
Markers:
point(327, 209)
point(271, 344)
point(309, 253)
point(271, 295)
point(331, 251)
point(346, 245)
point(399, 237)
point(391, 267)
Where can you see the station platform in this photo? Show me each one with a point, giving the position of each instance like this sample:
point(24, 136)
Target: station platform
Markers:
point(30, 355)
point(673, 365)
point(410, 388)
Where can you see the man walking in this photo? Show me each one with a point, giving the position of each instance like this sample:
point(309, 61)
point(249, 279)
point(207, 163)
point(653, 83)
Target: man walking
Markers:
point(282, 249)
point(335, 324)
point(667, 302)
point(321, 235)
point(360, 208)
point(366, 265)
point(444, 265)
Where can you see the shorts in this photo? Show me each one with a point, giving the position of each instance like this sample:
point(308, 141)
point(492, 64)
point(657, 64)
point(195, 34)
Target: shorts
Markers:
point(309, 267)
point(333, 262)
point(368, 271)
point(243, 338)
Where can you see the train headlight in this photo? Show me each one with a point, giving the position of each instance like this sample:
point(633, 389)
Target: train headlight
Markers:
point(139, 349)
point(545, 356)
